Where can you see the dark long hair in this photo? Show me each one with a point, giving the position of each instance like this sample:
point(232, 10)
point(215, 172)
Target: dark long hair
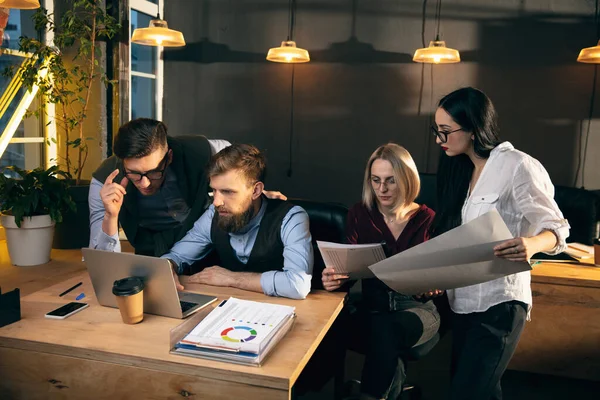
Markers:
point(474, 112)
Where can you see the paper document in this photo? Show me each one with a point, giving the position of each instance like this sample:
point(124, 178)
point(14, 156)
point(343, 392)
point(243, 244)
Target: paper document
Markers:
point(575, 253)
point(351, 259)
point(239, 326)
point(461, 257)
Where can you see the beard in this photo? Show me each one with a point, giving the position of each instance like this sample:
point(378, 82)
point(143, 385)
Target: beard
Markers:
point(234, 222)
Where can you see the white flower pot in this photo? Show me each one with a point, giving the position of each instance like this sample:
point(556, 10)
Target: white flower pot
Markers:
point(31, 243)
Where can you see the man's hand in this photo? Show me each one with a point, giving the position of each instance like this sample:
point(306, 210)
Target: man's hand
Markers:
point(274, 195)
point(331, 280)
point(214, 276)
point(112, 194)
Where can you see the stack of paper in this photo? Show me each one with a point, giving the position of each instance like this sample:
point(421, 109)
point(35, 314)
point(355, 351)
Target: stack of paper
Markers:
point(575, 252)
point(351, 259)
point(239, 331)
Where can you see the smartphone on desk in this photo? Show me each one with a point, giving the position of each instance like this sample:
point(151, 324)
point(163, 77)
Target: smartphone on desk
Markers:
point(67, 310)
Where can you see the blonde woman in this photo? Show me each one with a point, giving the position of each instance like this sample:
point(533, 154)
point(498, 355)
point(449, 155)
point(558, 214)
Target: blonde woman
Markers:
point(389, 215)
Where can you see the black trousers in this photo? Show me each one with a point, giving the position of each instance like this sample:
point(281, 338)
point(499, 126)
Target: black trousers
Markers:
point(390, 335)
point(483, 344)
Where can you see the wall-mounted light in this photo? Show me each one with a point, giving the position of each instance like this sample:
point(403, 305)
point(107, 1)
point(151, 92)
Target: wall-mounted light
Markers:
point(22, 4)
point(437, 52)
point(288, 52)
point(158, 34)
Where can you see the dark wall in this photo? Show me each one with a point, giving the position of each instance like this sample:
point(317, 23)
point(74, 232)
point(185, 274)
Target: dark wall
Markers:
point(361, 88)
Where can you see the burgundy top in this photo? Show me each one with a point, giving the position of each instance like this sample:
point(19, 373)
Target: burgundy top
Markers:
point(365, 226)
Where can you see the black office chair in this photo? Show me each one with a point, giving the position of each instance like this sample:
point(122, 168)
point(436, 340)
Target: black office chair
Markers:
point(327, 223)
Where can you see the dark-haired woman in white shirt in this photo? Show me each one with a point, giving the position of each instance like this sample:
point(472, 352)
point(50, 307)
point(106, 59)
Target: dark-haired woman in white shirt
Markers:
point(478, 173)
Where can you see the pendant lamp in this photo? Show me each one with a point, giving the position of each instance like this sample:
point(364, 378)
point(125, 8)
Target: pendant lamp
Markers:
point(437, 52)
point(590, 55)
point(288, 52)
point(158, 34)
point(21, 4)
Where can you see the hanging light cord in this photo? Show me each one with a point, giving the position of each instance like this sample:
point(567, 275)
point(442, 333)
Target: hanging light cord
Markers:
point(422, 64)
point(422, 86)
point(292, 21)
point(289, 171)
point(438, 16)
point(584, 142)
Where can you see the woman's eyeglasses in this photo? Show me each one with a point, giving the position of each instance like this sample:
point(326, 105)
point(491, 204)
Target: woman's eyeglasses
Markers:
point(154, 175)
point(442, 135)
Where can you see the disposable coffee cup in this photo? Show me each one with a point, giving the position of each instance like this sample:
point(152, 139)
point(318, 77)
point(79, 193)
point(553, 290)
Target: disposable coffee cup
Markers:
point(597, 252)
point(130, 299)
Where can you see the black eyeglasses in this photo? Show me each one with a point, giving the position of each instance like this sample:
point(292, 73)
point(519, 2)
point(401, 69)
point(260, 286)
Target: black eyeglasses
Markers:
point(442, 135)
point(154, 175)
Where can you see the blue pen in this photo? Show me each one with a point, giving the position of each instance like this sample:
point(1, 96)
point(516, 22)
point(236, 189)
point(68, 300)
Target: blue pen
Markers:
point(80, 296)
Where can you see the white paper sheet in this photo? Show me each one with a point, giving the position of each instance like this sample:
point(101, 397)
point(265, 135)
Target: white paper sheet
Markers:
point(351, 259)
point(239, 325)
point(461, 257)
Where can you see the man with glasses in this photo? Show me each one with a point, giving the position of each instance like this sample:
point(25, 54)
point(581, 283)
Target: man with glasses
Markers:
point(155, 187)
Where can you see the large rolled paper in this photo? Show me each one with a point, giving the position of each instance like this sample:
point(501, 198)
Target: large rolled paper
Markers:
point(463, 256)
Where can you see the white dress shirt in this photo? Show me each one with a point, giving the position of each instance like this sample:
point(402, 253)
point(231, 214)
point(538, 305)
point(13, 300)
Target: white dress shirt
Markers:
point(518, 186)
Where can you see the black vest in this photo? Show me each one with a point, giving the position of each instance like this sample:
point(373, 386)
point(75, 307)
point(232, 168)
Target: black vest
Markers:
point(267, 252)
point(191, 155)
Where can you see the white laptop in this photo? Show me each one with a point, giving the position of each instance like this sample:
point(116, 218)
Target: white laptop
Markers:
point(160, 293)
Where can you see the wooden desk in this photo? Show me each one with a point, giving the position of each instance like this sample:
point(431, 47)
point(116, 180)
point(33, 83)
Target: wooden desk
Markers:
point(92, 354)
point(563, 336)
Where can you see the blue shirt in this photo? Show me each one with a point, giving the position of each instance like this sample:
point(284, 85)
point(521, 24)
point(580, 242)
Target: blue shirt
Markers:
point(292, 282)
point(162, 210)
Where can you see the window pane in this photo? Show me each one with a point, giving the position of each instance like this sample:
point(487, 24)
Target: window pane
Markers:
point(143, 58)
point(143, 97)
point(23, 155)
point(19, 24)
point(5, 61)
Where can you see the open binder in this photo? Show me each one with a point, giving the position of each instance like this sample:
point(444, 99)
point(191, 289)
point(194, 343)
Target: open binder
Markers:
point(238, 331)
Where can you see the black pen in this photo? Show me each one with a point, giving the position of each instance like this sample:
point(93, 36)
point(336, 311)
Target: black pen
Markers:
point(69, 289)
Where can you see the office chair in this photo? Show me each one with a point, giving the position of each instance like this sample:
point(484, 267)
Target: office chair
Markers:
point(327, 223)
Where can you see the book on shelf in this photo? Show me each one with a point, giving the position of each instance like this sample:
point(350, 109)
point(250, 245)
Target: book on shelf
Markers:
point(239, 331)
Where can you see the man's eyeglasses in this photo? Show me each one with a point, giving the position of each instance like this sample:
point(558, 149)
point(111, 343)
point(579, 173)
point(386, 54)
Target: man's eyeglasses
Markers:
point(154, 175)
point(442, 135)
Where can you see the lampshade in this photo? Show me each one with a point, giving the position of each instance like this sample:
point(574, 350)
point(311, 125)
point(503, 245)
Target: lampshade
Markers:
point(437, 53)
point(590, 55)
point(158, 34)
point(22, 4)
point(288, 53)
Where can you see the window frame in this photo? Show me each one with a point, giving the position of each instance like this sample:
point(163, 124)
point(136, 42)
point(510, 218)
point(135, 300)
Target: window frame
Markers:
point(151, 9)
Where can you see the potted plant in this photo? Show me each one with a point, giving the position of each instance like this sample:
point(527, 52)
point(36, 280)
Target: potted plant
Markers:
point(75, 69)
point(31, 202)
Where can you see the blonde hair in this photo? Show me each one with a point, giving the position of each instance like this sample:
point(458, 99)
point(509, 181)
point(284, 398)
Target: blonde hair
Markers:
point(406, 175)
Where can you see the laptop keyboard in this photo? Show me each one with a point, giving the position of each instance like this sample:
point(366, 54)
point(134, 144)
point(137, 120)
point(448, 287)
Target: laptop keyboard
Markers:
point(186, 305)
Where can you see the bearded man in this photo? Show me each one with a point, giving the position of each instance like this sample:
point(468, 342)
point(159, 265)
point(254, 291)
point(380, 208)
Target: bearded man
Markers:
point(264, 245)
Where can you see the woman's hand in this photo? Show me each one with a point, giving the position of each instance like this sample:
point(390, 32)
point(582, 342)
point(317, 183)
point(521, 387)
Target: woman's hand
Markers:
point(517, 249)
point(331, 280)
point(429, 295)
